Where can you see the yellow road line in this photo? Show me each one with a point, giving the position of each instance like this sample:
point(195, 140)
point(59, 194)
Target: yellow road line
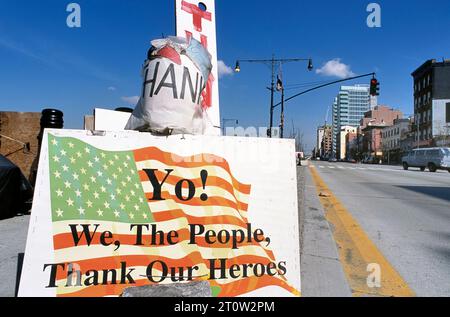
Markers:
point(357, 251)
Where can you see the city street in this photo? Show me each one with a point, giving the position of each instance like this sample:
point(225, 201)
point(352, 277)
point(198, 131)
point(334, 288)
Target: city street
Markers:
point(405, 214)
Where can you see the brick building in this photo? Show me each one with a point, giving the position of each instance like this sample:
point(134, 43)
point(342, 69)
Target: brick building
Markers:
point(324, 141)
point(393, 137)
point(432, 103)
point(22, 127)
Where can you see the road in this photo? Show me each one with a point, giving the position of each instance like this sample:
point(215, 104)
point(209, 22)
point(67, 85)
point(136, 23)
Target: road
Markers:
point(406, 214)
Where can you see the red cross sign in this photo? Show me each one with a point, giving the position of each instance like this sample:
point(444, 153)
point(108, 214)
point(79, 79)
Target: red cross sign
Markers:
point(197, 14)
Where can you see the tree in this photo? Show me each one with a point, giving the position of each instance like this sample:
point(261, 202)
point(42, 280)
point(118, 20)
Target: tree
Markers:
point(299, 137)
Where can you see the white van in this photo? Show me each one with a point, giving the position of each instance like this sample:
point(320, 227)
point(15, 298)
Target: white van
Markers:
point(433, 158)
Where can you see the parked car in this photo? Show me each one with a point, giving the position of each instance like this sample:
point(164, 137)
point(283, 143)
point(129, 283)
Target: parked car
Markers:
point(371, 160)
point(432, 158)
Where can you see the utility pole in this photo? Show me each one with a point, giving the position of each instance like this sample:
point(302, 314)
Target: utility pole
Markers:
point(282, 114)
point(272, 63)
point(272, 92)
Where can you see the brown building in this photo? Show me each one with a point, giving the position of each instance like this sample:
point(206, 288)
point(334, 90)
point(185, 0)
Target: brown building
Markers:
point(16, 130)
point(324, 141)
point(372, 126)
point(432, 104)
point(351, 140)
point(380, 115)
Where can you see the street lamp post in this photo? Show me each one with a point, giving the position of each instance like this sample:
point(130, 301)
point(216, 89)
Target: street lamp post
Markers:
point(272, 62)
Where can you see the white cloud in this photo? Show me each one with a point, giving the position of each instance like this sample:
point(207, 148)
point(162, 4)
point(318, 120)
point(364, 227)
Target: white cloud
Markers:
point(336, 68)
point(133, 100)
point(223, 69)
point(112, 88)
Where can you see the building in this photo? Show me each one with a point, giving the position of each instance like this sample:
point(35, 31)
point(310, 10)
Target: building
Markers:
point(320, 135)
point(349, 107)
point(17, 129)
point(409, 142)
point(380, 115)
point(372, 126)
point(327, 143)
point(343, 141)
point(324, 141)
point(392, 139)
point(352, 145)
point(432, 104)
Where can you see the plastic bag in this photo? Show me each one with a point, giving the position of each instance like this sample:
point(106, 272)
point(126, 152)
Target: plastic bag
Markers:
point(174, 77)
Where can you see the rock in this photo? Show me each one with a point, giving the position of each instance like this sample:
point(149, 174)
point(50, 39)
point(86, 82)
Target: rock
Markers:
point(195, 289)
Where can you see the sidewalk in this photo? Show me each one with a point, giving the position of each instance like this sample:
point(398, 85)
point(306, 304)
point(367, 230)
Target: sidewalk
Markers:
point(13, 234)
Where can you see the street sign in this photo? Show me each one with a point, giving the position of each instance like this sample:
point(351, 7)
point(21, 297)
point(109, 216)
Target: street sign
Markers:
point(128, 209)
point(198, 19)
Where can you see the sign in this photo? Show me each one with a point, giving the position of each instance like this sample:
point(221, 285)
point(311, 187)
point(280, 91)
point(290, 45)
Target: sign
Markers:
point(129, 209)
point(198, 19)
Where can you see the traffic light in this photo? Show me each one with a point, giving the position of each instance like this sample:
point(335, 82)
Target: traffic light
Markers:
point(374, 87)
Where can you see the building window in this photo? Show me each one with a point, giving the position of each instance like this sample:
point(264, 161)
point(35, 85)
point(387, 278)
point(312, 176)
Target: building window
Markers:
point(447, 113)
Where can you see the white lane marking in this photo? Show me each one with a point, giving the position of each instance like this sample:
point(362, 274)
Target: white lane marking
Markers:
point(320, 166)
point(331, 167)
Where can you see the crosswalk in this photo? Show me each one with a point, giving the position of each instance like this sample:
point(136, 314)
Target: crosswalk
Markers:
point(355, 168)
point(370, 169)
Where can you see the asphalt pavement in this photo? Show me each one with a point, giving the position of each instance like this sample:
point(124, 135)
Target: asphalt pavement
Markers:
point(406, 214)
point(13, 234)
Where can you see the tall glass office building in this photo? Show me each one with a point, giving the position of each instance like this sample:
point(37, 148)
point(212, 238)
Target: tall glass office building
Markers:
point(349, 108)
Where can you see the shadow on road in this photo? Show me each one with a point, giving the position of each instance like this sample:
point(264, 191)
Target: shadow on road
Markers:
point(436, 192)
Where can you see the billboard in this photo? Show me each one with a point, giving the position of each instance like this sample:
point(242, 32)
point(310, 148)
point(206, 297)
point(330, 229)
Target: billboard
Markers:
point(129, 209)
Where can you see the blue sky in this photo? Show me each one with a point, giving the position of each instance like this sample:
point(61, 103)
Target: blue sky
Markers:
point(43, 63)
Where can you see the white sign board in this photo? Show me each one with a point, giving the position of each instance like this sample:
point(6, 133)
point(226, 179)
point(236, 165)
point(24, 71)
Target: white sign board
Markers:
point(125, 210)
point(198, 19)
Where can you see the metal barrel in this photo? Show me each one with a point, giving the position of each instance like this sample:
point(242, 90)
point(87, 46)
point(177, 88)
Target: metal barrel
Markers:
point(124, 109)
point(52, 119)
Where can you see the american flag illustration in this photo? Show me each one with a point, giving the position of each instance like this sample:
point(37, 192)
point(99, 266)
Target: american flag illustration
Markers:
point(92, 186)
